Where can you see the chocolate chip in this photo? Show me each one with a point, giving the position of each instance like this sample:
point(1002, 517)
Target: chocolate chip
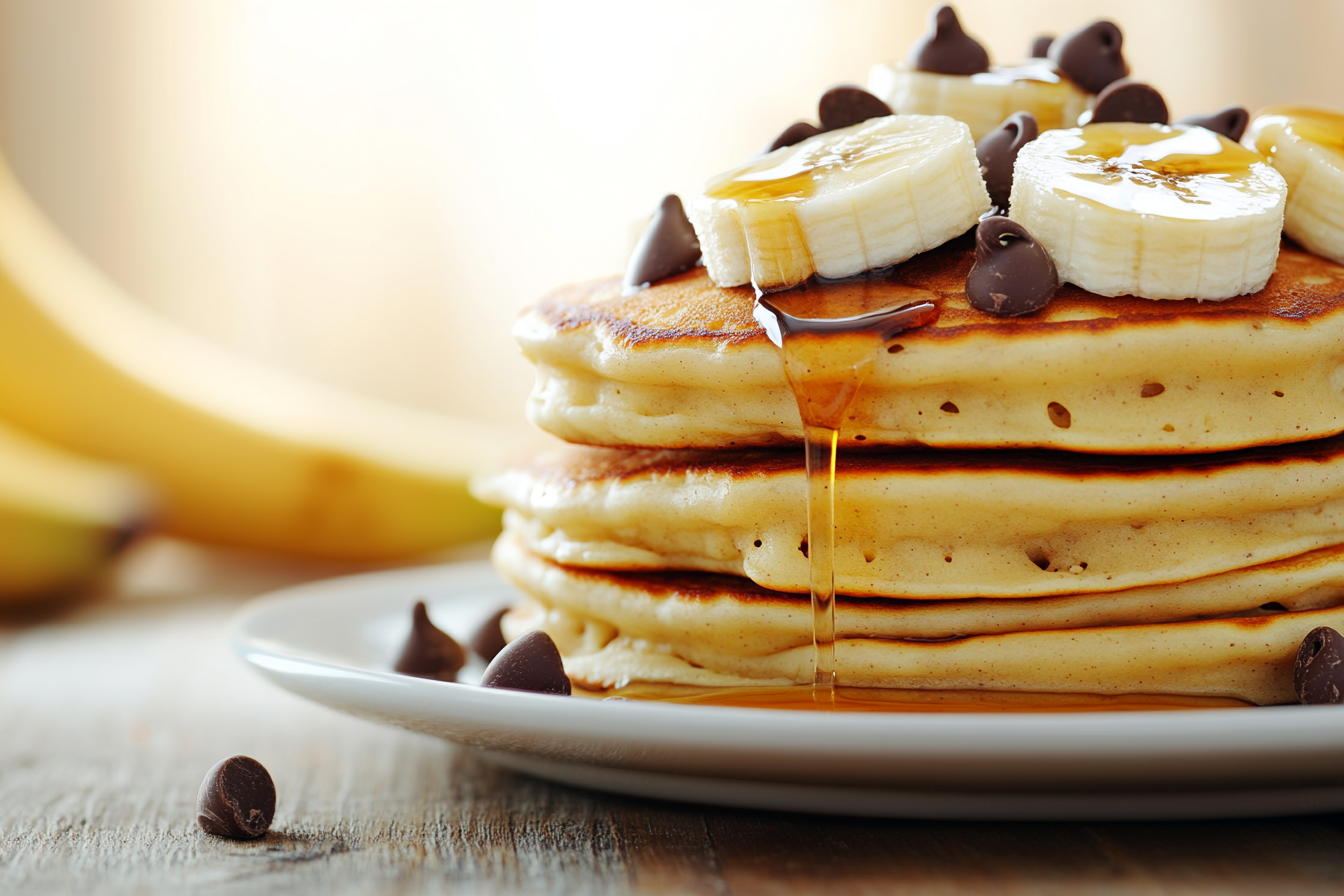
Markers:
point(843, 106)
point(794, 133)
point(1090, 56)
point(236, 799)
point(529, 663)
point(668, 247)
point(429, 653)
point(1012, 273)
point(1318, 674)
point(1127, 100)
point(1040, 46)
point(1230, 121)
point(997, 151)
point(947, 50)
point(488, 640)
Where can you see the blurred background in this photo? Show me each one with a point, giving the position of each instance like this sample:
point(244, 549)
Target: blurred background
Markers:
point(368, 192)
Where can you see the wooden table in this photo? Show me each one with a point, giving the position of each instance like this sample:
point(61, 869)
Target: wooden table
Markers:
point(112, 711)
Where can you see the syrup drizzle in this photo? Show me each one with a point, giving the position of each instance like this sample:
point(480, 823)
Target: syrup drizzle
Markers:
point(831, 333)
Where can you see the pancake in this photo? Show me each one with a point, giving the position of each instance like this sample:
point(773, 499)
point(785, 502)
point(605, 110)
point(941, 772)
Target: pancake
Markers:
point(683, 364)
point(931, 524)
point(1207, 637)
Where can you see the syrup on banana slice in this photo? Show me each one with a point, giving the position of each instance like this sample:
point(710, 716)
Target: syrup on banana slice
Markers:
point(1155, 211)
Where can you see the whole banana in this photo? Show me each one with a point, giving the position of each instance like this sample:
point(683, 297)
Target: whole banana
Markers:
point(240, 454)
point(62, 517)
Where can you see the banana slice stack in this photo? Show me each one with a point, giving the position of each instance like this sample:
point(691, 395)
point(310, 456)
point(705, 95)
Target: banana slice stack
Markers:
point(840, 203)
point(1160, 212)
point(1306, 146)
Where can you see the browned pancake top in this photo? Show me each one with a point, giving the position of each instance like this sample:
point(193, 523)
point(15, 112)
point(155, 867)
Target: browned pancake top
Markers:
point(690, 307)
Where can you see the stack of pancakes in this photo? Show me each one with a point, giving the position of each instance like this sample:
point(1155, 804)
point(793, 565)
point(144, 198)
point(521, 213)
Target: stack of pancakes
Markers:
point(1113, 496)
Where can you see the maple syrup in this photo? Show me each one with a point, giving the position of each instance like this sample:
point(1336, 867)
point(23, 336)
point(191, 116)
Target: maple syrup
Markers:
point(870, 700)
point(1149, 169)
point(831, 333)
point(1320, 126)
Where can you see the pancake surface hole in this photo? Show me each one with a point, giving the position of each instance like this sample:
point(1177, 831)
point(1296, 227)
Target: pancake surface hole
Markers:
point(860, 438)
point(869, 556)
point(947, 559)
point(802, 546)
point(1059, 415)
point(1168, 428)
point(1042, 562)
point(895, 348)
point(1151, 389)
point(1278, 394)
point(949, 407)
point(1275, 606)
point(756, 543)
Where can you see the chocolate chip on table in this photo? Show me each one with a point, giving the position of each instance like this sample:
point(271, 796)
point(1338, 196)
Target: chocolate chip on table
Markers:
point(1040, 46)
point(529, 663)
point(997, 151)
point(236, 799)
point(843, 106)
point(1230, 121)
point(1127, 100)
point(1318, 674)
point(488, 639)
point(1090, 56)
point(793, 134)
point(429, 652)
point(1012, 273)
point(669, 246)
point(947, 50)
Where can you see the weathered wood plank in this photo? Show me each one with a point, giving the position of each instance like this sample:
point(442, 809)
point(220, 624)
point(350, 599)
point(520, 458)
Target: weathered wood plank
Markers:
point(111, 714)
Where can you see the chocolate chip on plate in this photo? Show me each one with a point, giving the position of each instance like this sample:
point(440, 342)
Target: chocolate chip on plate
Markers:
point(669, 246)
point(236, 799)
point(488, 639)
point(1040, 46)
point(429, 652)
point(529, 663)
point(945, 49)
point(1127, 100)
point(997, 151)
point(1090, 56)
point(1230, 121)
point(1012, 273)
point(843, 106)
point(793, 134)
point(1318, 674)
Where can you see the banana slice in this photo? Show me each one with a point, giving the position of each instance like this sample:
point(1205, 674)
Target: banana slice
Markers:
point(1306, 146)
point(841, 203)
point(1150, 210)
point(983, 100)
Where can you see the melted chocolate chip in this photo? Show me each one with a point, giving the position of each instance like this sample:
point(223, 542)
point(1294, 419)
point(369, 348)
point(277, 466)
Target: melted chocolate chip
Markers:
point(1318, 674)
point(1012, 274)
point(997, 151)
point(1127, 100)
point(529, 663)
point(1040, 46)
point(668, 247)
point(841, 107)
point(1230, 121)
point(488, 640)
point(429, 652)
point(794, 133)
point(236, 799)
point(947, 50)
point(1091, 56)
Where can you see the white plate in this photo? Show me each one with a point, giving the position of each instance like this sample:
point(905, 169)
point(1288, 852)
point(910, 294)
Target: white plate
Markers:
point(335, 641)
